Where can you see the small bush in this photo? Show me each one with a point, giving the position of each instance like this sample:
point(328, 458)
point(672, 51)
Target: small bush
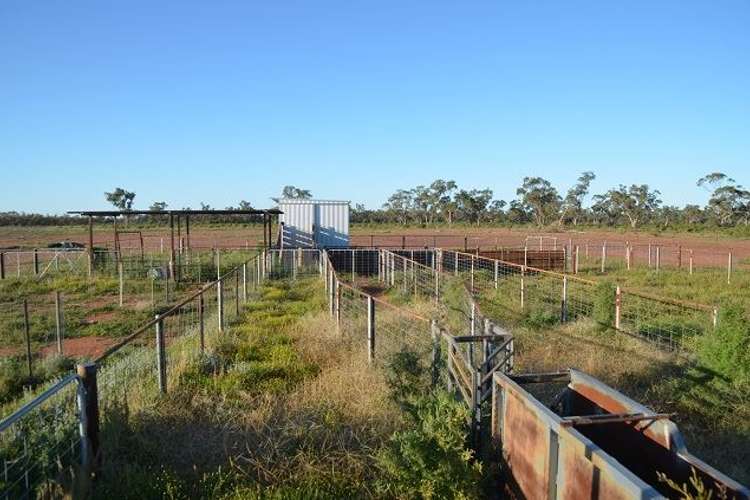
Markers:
point(430, 459)
point(540, 318)
point(727, 349)
point(406, 378)
point(603, 311)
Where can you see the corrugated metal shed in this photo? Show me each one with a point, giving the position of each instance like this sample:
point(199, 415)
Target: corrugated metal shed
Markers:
point(314, 223)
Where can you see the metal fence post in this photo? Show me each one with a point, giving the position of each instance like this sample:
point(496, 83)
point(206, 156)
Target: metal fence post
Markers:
point(218, 263)
point(729, 268)
point(618, 307)
point(628, 251)
point(236, 294)
point(36, 262)
point(472, 274)
point(59, 322)
point(27, 334)
point(497, 265)
point(523, 288)
point(604, 256)
point(370, 329)
point(161, 357)
point(715, 317)
point(564, 305)
point(338, 305)
point(455, 263)
point(201, 323)
point(2, 265)
point(220, 304)
point(120, 273)
point(437, 286)
point(435, 333)
point(88, 406)
point(690, 263)
point(244, 282)
point(575, 265)
point(658, 258)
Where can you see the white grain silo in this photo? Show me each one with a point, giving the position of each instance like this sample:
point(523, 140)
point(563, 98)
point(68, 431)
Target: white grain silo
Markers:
point(314, 223)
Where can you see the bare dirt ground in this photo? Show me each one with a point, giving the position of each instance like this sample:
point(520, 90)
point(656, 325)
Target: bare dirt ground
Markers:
point(707, 250)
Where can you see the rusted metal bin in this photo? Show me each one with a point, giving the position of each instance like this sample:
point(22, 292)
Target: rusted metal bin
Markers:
point(589, 441)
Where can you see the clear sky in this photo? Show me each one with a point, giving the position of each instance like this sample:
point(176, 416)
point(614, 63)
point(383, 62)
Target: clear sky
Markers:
point(220, 101)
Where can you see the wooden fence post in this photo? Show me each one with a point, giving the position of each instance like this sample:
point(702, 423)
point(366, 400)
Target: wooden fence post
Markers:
point(370, 329)
point(88, 406)
point(618, 307)
point(564, 305)
point(59, 322)
point(27, 334)
point(161, 357)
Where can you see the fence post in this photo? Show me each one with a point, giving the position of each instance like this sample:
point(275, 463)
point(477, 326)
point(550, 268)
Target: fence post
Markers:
point(161, 357)
point(403, 242)
point(523, 289)
point(466, 243)
point(575, 266)
point(331, 292)
point(435, 333)
point(236, 294)
point(627, 255)
point(690, 263)
point(27, 334)
point(715, 317)
point(59, 322)
point(218, 263)
point(649, 255)
point(370, 329)
point(201, 323)
point(525, 255)
point(244, 282)
point(564, 305)
point(455, 263)
point(88, 406)
point(437, 286)
point(729, 268)
point(472, 274)
point(338, 306)
point(353, 267)
point(36, 262)
point(220, 304)
point(497, 264)
point(2, 265)
point(122, 280)
point(618, 307)
point(604, 256)
point(658, 258)
point(679, 256)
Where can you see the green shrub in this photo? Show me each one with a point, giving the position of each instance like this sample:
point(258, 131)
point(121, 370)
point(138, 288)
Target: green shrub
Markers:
point(430, 459)
point(727, 349)
point(540, 318)
point(603, 311)
point(406, 378)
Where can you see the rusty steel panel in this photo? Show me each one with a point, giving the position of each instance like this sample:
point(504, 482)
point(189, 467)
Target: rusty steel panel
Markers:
point(548, 456)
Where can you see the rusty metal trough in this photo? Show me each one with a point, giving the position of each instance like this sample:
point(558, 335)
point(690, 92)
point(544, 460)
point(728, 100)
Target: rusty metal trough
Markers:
point(589, 441)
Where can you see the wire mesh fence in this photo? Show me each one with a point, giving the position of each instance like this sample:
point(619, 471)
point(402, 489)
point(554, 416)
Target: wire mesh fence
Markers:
point(43, 444)
point(518, 291)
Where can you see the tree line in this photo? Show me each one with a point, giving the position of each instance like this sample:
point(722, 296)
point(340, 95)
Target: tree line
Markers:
point(537, 203)
point(541, 204)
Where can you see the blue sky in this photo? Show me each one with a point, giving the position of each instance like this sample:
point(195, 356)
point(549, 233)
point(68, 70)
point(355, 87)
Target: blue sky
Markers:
point(221, 101)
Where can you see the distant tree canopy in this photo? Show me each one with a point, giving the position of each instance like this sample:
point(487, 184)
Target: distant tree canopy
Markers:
point(295, 192)
point(538, 202)
point(121, 199)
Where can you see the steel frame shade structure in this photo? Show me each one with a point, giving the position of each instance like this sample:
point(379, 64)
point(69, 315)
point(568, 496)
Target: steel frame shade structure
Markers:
point(267, 215)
